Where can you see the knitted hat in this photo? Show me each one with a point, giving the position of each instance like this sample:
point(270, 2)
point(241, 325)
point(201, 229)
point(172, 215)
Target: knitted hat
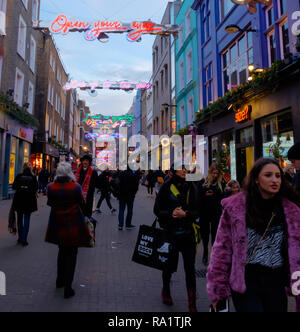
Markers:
point(86, 157)
point(294, 152)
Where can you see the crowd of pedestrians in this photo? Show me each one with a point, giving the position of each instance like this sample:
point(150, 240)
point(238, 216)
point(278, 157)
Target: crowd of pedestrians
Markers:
point(250, 234)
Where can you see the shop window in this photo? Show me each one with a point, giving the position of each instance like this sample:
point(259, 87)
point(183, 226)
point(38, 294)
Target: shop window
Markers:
point(223, 153)
point(278, 136)
point(26, 152)
point(12, 160)
point(246, 136)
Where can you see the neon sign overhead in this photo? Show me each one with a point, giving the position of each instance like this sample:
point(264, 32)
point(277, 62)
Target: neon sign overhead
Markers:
point(94, 136)
point(99, 29)
point(115, 121)
point(91, 86)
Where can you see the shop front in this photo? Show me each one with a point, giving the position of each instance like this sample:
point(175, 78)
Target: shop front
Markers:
point(44, 155)
point(265, 127)
point(16, 142)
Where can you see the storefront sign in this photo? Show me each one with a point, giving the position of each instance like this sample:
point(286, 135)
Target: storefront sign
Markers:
point(22, 133)
point(13, 127)
point(243, 115)
point(99, 29)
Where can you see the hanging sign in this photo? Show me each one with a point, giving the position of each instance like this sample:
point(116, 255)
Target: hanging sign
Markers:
point(63, 24)
point(244, 114)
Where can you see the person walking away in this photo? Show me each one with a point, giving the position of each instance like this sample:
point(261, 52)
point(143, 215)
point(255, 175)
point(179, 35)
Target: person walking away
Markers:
point(104, 184)
point(129, 186)
point(66, 227)
point(25, 201)
point(211, 193)
point(87, 177)
point(43, 180)
point(257, 249)
point(150, 180)
point(294, 157)
point(176, 207)
point(159, 180)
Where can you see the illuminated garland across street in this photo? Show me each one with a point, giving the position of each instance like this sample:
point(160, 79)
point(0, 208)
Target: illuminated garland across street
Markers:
point(115, 121)
point(122, 85)
point(94, 136)
point(63, 24)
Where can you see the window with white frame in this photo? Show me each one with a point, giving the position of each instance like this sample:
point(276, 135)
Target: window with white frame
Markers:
point(49, 92)
point(1, 62)
point(188, 26)
point(181, 35)
point(32, 54)
point(236, 60)
point(270, 16)
point(21, 49)
point(50, 128)
point(208, 84)
point(191, 110)
point(182, 116)
point(25, 3)
point(282, 7)
point(35, 10)
point(189, 66)
point(284, 39)
point(3, 17)
point(3, 6)
point(56, 102)
point(19, 87)
point(181, 76)
point(30, 98)
point(52, 95)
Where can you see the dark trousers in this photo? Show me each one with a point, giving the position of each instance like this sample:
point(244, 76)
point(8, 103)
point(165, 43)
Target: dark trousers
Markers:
point(104, 196)
point(265, 291)
point(66, 264)
point(23, 226)
point(129, 201)
point(208, 227)
point(150, 190)
point(187, 246)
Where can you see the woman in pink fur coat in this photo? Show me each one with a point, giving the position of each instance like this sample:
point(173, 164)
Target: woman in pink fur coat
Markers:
point(256, 255)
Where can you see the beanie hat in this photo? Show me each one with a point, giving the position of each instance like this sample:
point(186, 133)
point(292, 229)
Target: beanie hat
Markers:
point(294, 152)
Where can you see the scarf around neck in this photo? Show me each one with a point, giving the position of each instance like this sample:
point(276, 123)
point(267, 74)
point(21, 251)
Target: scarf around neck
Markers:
point(86, 183)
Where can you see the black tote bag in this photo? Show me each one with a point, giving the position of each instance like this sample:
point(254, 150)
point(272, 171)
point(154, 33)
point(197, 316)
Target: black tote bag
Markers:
point(155, 249)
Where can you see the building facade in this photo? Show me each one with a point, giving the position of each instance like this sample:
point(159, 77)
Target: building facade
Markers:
point(18, 69)
point(186, 66)
point(230, 40)
point(51, 101)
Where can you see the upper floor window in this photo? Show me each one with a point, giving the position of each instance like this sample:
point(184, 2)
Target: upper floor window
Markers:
point(3, 6)
point(181, 35)
point(270, 17)
point(188, 26)
point(205, 22)
point(30, 98)
point(19, 87)
point(35, 10)
point(189, 66)
point(284, 39)
point(32, 54)
point(21, 49)
point(208, 84)
point(225, 8)
point(236, 60)
point(181, 76)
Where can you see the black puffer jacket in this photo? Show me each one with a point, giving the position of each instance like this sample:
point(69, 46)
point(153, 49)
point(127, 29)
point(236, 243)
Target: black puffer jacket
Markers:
point(166, 202)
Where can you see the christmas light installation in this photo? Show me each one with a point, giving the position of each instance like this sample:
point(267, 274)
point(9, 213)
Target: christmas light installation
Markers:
point(115, 121)
point(98, 30)
point(95, 136)
point(91, 86)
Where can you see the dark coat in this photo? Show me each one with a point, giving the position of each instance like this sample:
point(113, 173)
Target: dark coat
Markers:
point(166, 202)
point(151, 178)
point(25, 199)
point(296, 181)
point(129, 184)
point(103, 182)
point(44, 176)
point(67, 226)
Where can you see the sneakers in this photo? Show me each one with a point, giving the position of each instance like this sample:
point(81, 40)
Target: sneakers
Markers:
point(120, 228)
point(113, 211)
point(69, 292)
point(166, 297)
point(130, 227)
point(98, 211)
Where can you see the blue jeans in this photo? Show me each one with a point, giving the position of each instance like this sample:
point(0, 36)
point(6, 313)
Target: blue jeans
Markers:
point(129, 201)
point(23, 226)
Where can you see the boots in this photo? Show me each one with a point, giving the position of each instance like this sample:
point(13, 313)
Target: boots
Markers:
point(166, 297)
point(192, 300)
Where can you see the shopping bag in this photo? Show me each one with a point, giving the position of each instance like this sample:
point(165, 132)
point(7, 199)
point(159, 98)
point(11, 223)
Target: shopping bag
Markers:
point(12, 221)
point(155, 249)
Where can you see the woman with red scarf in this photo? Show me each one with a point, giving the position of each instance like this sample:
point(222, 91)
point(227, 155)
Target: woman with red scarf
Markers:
point(88, 179)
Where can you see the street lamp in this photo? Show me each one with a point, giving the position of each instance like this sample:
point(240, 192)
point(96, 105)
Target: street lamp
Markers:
point(252, 4)
point(233, 28)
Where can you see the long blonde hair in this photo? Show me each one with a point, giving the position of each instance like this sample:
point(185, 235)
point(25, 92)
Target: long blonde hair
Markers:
point(209, 179)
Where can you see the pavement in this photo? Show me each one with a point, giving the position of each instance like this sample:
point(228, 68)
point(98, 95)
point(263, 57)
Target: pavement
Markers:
point(106, 280)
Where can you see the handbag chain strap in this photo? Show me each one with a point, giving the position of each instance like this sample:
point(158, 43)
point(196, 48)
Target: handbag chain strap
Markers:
point(262, 238)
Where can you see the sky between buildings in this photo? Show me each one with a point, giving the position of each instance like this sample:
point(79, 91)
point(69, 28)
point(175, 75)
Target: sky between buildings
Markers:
point(116, 60)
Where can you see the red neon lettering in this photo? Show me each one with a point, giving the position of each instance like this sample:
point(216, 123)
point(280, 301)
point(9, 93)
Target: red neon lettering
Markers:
point(140, 28)
point(243, 115)
point(61, 24)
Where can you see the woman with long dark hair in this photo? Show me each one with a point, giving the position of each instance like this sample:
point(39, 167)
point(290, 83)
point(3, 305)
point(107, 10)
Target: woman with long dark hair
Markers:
point(257, 249)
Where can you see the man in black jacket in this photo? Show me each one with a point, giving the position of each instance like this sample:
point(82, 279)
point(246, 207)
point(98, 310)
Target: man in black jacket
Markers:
point(104, 184)
point(129, 186)
point(294, 157)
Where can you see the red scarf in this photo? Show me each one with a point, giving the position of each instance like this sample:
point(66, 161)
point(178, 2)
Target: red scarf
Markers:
point(86, 183)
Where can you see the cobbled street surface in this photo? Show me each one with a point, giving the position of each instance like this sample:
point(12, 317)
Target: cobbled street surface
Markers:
point(106, 279)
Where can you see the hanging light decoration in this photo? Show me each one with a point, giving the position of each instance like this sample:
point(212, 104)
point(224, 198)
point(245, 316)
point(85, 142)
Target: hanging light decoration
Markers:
point(252, 4)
